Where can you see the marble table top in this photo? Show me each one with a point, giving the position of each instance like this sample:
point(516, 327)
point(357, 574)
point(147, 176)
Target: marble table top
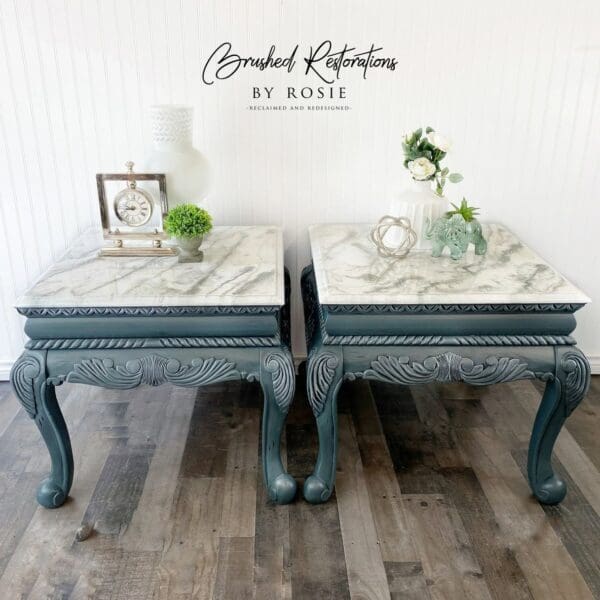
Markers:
point(243, 266)
point(348, 270)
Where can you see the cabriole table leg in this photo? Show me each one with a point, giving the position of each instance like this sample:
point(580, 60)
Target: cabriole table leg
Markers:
point(277, 379)
point(36, 393)
point(563, 394)
point(324, 378)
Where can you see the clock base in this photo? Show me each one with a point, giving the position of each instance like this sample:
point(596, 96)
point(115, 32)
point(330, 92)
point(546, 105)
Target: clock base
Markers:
point(137, 251)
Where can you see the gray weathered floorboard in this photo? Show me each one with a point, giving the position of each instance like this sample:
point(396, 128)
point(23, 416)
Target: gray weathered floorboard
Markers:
point(272, 565)
point(119, 489)
point(235, 571)
point(406, 581)
point(446, 413)
point(432, 495)
point(577, 525)
point(502, 572)
point(316, 549)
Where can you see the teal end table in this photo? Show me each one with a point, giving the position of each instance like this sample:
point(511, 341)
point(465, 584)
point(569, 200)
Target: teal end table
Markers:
point(482, 320)
point(118, 322)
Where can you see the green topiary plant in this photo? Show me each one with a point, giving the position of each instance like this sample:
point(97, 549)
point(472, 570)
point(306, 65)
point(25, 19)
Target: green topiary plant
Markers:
point(187, 221)
point(468, 213)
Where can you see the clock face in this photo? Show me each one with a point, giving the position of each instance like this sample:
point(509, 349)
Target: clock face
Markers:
point(133, 207)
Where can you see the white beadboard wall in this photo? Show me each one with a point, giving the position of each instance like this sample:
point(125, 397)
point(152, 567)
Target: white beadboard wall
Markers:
point(514, 84)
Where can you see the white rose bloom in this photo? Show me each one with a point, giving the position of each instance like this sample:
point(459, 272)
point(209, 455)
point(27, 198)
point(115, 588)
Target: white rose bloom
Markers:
point(439, 141)
point(421, 168)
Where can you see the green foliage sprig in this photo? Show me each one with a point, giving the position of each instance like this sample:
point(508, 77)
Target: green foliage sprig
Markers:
point(468, 213)
point(423, 153)
point(187, 221)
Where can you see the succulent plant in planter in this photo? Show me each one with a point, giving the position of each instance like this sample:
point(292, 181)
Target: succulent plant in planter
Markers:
point(457, 229)
point(468, 213)
point(187, 224)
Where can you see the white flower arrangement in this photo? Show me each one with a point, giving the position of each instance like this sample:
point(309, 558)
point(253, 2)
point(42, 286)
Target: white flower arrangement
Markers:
point(422, 157)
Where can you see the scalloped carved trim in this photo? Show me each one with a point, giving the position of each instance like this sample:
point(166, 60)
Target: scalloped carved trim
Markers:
point(577, 379)
point(446, 340)
point(22, 376)
point(452, 308)
point(447, 367)
point(144, 311)
point(281, 368)
point(146, 342)
point(309, 297)
point(320, 375)
point(152, 370)
point(284, 316)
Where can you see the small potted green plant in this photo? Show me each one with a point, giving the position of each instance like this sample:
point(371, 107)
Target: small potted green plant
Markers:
point(187, 224)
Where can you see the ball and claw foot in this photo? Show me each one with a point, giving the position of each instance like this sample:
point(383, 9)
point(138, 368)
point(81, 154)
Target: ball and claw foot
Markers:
point(551, 491)
point(316, 490)
point(283, 489)
point(50, 495)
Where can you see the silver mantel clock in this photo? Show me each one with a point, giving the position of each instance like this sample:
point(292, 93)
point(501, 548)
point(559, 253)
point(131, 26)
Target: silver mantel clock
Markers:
point(133, 213)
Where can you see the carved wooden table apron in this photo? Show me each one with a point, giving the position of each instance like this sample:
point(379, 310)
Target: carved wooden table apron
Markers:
point(481, 320)
point(168, 328)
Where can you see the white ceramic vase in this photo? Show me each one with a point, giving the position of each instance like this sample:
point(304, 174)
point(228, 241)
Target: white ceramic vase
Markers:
point(420, 204)
point(187, 170)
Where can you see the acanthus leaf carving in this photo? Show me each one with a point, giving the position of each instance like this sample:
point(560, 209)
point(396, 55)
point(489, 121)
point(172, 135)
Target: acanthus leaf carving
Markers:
point(22, 376)
point(321, 370)
point(152, 370)
point(577, 378)
point(202, 372)
point(104, 373)
point(447, 367)
point(281, 368)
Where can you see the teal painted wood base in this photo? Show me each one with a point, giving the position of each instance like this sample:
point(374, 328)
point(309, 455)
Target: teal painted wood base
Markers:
point(564, 391)
point(430, 357)
point(249, 348)
point(36, 373)
point(36, 394)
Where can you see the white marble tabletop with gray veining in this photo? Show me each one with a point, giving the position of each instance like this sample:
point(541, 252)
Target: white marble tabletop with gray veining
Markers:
point(243, 266)
point(348, 270)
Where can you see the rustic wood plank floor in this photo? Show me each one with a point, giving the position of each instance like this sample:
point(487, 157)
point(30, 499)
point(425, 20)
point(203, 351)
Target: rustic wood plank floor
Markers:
point(431, 499)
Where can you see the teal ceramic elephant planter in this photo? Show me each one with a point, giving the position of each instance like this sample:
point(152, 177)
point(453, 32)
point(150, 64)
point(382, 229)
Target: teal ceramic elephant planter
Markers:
point(457, 234)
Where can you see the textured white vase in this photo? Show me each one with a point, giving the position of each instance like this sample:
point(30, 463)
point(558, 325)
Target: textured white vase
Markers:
point(419, 203)
point(189, 249)
point(187, 170)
